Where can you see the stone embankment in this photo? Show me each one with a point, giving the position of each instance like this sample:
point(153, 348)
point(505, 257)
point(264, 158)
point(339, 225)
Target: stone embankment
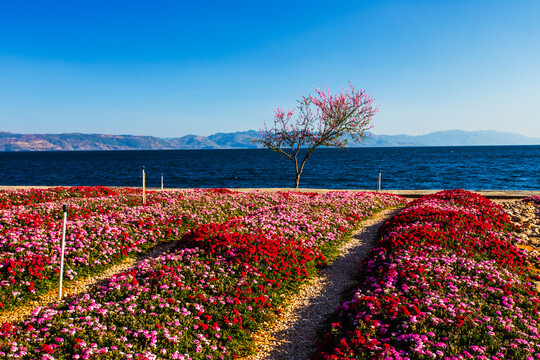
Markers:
point(527, 216)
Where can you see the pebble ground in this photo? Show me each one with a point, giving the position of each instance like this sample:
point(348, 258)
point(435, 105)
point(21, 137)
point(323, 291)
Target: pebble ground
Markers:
point(293, 335)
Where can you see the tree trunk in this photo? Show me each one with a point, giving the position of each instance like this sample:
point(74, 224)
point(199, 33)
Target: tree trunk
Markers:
point(297, 180)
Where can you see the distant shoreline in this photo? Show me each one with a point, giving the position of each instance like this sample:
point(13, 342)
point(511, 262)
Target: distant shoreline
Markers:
point(490, 194)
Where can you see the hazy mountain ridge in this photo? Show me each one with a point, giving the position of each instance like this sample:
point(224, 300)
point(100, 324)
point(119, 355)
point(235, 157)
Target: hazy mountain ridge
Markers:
point(241, 139)
point(450, 138)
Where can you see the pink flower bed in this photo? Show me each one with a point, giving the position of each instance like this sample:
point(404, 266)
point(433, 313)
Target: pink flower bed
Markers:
point(202, 300)
point(443, 282)
point(103, 227)
point(534, 199)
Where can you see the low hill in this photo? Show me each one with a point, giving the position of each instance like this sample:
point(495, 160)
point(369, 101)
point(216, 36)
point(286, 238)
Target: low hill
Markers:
point(241, 140)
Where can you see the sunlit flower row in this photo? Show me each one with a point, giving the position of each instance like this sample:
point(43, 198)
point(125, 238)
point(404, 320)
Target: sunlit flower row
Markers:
point(445, 281)
point(228, 274)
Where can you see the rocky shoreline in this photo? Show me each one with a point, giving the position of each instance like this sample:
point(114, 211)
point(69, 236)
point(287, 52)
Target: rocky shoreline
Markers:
point(526, 214)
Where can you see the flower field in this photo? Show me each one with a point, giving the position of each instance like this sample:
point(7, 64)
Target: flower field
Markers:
point(104, 226)
point(236, 258)
point(534, 199)
point(444, 281)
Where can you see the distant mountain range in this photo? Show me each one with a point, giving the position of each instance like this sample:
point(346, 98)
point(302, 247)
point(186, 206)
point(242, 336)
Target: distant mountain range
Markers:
point(241, 140)
point(451, 138)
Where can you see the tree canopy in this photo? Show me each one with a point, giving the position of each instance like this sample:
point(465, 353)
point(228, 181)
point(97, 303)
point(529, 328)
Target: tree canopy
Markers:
point(323, 119)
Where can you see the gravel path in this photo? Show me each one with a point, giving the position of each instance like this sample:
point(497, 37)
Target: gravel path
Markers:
point(293, 335)
point(82, 286)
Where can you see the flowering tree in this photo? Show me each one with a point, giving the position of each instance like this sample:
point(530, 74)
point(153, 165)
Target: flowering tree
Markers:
point(322, 121)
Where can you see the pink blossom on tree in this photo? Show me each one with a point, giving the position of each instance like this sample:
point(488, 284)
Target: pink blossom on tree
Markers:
point(322, 121)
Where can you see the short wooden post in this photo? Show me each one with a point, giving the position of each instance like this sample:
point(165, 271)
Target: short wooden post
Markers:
point(62, 248)
point(143, 187)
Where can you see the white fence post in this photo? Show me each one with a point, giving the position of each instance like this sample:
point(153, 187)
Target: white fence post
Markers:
point(143, 187)
point(379, 182)
point(64, 208)
point(162, 182)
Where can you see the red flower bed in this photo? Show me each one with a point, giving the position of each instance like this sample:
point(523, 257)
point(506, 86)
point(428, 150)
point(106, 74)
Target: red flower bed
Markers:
point(444, 281)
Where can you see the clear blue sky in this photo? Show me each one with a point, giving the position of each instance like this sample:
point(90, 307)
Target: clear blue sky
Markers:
point(172, 68)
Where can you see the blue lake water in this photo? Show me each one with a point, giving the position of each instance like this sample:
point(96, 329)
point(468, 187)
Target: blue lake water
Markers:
point(472, 168)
